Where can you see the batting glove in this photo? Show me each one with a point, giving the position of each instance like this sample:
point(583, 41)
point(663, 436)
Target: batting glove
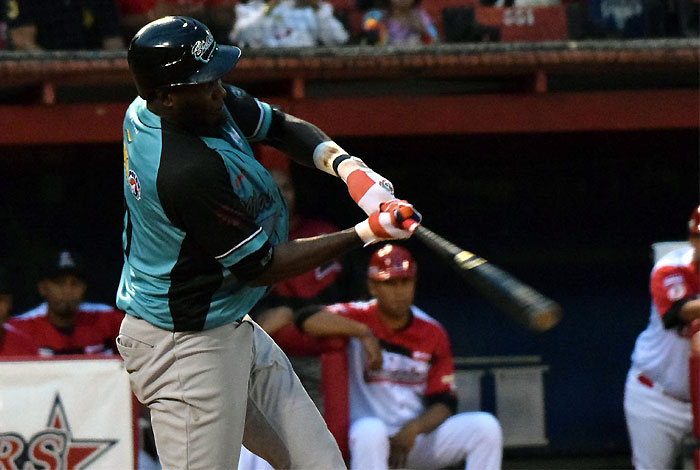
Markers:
point(388, 225)
point(366, 187)
point(404, 212)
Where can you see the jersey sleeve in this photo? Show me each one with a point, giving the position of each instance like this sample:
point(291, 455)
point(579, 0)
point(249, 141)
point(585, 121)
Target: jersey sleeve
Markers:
point(441, 379)
point(198, 198)
point(252, 116)
point(668, 285)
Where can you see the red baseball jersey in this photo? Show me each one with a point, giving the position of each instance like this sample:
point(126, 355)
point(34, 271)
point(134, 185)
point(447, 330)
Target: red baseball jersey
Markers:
point(95, 331)
point(660, 353)
point(15, 343)
point(417, 361)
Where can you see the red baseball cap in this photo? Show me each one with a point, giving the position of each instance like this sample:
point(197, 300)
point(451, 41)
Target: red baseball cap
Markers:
point(391, 262)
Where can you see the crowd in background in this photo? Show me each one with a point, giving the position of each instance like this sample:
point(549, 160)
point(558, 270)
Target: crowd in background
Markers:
point(110, 24)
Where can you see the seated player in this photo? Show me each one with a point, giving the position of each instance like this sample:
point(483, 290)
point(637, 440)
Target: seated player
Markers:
point(657, 399)
point(401, 378)
point(64, 324)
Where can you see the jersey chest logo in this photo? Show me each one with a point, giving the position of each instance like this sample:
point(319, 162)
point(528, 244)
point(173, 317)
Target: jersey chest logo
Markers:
point(134, 184)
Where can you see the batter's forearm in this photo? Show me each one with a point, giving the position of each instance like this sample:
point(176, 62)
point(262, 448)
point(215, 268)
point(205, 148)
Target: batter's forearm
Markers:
point(295, 137)
point(299, 256)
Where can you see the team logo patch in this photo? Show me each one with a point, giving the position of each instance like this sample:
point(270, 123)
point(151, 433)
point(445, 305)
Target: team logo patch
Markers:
point(386, 184)
point(203, 49)
point(675, 287)
point(421, 356)
point(53, 448)
point(134, 184)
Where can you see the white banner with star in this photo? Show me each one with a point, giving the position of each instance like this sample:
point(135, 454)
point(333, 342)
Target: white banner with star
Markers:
point(66, 414)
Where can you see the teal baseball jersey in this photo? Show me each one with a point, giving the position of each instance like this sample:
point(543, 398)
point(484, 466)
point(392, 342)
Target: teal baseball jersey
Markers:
point(196, 207)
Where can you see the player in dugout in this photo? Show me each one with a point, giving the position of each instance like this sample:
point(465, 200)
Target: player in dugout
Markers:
point(401, 377)
point(204, 236)
point(657, 398)
point(64, 323)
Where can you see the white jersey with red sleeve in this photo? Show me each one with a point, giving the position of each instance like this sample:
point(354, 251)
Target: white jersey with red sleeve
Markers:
point(661, 354)
point(417, 362)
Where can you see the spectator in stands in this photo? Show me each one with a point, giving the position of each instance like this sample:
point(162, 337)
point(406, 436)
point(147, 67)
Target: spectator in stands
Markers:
point(12, 341)
point(66, 24)
point(399, 22)
point(401, 378)
point(287, 23)
point(135, 14)
point(64, 324)
point(218, 14)
point(521, 3)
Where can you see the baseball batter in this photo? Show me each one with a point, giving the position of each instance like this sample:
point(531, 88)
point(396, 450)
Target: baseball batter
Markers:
point(401, 378)
point(657, 400)
point(204, 234)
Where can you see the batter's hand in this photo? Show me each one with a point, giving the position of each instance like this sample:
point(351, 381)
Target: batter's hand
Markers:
point(367, 188)
point(404, 212)
point(383, 226)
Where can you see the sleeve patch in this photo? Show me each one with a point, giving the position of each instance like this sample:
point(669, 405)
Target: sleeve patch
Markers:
point(675, 287)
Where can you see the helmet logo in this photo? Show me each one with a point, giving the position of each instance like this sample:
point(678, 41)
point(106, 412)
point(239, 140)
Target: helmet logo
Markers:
point(203, 49)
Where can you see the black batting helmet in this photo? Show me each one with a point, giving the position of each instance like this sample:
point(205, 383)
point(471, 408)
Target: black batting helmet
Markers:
point(177, 50)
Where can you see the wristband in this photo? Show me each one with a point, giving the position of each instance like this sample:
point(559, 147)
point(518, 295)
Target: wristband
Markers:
point(325, 155)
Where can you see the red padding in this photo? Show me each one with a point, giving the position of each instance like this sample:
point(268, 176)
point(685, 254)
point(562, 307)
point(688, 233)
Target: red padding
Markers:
point(694, 378)
point(334, 389)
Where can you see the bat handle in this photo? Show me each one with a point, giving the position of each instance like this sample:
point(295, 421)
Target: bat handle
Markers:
point(407, 224)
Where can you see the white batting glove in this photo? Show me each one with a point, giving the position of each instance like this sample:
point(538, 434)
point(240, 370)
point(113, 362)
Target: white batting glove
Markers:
point(382, 226)
point(366, 187)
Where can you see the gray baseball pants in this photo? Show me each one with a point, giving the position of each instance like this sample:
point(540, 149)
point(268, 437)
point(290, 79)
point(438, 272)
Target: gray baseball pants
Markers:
point(210, 390)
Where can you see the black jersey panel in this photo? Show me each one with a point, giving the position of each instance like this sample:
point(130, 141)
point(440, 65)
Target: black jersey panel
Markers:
point(195, 192)
point(244, 109)
point(193, 281)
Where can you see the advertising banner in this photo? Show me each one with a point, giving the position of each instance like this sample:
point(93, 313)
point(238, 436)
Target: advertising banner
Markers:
point(66, 414)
